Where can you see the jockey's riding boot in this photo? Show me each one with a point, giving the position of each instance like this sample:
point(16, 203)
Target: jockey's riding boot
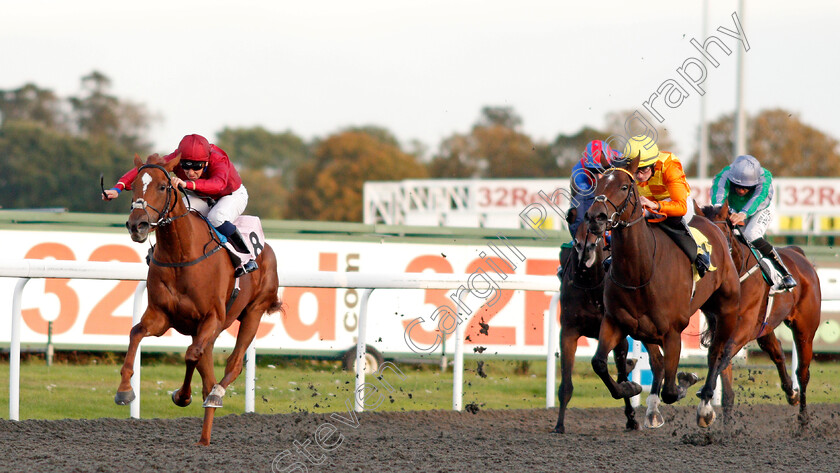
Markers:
point(675, 228)
point(607, 262)
point(766, 249)
point(702, 263)
point(246, 268)
point(565, 253)
point(238, 242)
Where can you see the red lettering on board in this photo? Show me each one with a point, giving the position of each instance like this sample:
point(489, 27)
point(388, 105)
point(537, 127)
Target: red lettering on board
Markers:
point(324, 324)
point(435, 297)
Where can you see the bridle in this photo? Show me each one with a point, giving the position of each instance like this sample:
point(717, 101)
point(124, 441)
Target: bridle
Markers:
point(614, 222)
point(163, 219)
point(169, 204)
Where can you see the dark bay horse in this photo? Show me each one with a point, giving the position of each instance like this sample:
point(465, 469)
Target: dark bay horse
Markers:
point(190, 287)
point(649, 294)
point(582, 308)
point(799, 309)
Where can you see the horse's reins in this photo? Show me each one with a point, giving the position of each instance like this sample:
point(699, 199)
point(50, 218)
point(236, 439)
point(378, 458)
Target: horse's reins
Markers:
point(164, 220)
point(614, 221)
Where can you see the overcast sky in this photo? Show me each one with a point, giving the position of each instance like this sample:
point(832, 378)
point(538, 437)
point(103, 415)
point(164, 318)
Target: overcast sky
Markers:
point(422, 69)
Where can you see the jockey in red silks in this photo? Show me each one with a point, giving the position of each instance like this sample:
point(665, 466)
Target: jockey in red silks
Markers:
point(208, 176)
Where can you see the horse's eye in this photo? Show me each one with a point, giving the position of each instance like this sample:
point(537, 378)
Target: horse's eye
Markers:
point(162, 188)
point(625, 187)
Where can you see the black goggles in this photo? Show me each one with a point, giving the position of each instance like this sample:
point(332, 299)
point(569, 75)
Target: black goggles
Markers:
point(192, 165)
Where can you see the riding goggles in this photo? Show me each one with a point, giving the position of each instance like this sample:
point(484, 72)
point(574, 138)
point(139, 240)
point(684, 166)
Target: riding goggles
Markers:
point(192, 165)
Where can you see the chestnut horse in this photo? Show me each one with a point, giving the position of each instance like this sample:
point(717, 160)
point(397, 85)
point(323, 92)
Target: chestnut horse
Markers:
point(582, 308)
point(191, 288)
point(799, 309)
point(650, 295)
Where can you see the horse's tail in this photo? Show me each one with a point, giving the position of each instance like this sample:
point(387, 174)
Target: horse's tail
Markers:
point(706, 335)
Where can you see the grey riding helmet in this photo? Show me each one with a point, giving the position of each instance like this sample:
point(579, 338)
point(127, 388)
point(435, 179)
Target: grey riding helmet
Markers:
point(745, 171)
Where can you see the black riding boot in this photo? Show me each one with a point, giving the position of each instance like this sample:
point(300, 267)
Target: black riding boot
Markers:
point(565, 253)
point(232, 234)
point(678, 231)
point(766, 249)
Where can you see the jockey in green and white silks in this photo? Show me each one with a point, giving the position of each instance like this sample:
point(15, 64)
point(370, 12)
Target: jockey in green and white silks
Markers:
point(748, 189)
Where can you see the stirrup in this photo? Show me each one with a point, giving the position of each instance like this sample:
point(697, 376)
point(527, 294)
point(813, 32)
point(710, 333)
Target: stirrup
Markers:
point(246, 268)
point(788, 282)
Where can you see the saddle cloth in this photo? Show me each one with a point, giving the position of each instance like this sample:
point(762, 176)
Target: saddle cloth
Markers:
point(251, 229)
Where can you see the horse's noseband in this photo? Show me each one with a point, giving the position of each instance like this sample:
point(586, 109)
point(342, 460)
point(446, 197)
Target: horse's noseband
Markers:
point(139, 204)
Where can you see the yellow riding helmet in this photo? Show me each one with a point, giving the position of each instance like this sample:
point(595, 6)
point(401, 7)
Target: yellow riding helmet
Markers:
point(643, 147)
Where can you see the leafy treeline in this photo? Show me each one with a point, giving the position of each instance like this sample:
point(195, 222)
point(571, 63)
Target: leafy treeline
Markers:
point(53, 149)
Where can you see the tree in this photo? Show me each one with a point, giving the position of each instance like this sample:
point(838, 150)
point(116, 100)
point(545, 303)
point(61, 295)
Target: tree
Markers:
point(268, 163)
point(99, 115)
point(46, 168)
point(499, 116)
point(493, 148)
point(329, 186)
point(34, 104)
point(617, 124)
point(567, 150)
point(781, 143)
point(53, 149)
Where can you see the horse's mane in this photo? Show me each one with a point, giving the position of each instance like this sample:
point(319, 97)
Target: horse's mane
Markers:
point(709, 211)
point(155, 159)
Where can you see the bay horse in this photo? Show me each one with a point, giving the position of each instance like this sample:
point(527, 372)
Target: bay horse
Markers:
point(650, 295)
point(191, 288)
point(799, 309)
point(582, 308)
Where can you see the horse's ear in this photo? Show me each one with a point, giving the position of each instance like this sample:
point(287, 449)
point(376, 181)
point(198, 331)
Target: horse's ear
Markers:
point(633, 165)
point(137, 161)
point(697, 209)
point(724, 209)
point(170, 165)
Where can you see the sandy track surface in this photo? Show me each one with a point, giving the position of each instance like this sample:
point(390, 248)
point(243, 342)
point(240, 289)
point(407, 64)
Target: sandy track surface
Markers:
point(759, 438)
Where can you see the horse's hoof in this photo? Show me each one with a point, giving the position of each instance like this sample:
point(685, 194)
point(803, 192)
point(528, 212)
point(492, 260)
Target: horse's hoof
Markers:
point(202, 443)
point(213, 400)
point(180, 402)
point(687, 379)
point(632, 426)
point(804, 418)
point(629, 389)
point(559, 429)
point(793, 399)
point(654, 420)
point(705, 414)
point(124, 398)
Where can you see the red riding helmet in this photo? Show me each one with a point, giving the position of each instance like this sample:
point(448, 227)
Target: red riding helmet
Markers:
point(194, 148)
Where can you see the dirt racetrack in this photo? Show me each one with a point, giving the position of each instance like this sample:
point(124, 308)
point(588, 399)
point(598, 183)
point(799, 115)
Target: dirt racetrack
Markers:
point(760, 438)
